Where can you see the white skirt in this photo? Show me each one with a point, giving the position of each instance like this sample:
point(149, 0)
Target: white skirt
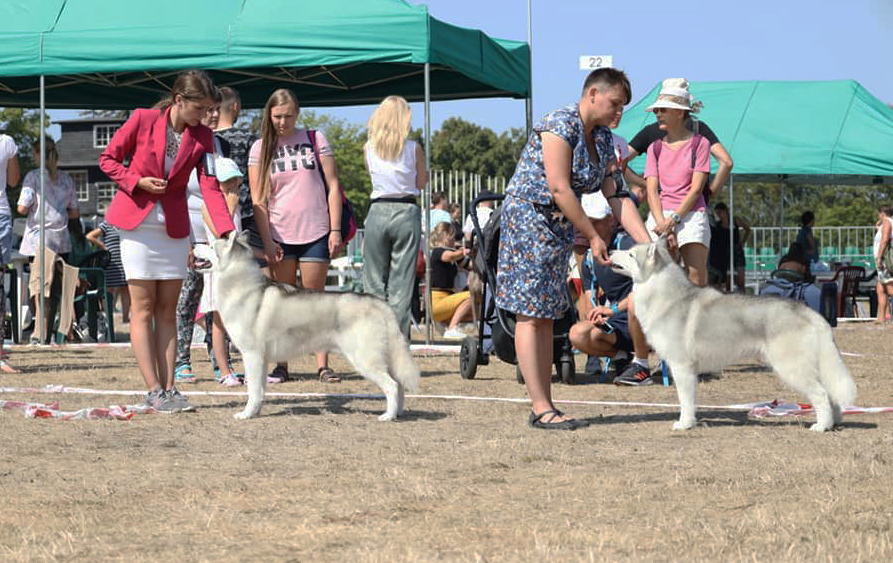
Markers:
point(148, 253)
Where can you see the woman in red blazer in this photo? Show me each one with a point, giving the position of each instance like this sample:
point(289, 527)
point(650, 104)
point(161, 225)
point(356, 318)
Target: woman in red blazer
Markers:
point(164, 145)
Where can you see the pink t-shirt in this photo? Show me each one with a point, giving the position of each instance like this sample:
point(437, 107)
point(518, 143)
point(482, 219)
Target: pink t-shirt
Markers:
point(676, 171)
point(297, 207)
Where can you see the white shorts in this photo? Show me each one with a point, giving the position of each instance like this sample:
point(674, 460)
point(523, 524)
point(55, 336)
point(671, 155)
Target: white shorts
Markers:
point(148, 253)
point(695, 227)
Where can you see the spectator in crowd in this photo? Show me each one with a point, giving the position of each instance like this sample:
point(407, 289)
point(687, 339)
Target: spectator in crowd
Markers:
point(61, 206)
point(392, 233)
point(236, 141)
point(607, 330)
point(439, 212)
point(719, 247)
point(883, 238)
point(447, 304)
point(482, 212)
point(793, 280)
point(230, 178)
point(106, 237)
point(805, 237)
point(650, 133)
point(297, 204)
point(675, 174)
point(569, 153)
point(10, 174)
point(194, 283)
point(150, 211)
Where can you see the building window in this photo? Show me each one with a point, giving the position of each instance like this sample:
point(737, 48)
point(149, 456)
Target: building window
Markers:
point(105, 191)
point(80, 184)
point(102, 134)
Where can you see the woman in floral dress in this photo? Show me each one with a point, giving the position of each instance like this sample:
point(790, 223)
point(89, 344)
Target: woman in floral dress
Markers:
point(568, 154)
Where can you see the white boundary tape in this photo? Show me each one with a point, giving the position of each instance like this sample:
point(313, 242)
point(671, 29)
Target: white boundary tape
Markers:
point(51, 389)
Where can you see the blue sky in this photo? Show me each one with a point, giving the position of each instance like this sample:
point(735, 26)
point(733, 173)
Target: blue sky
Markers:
point(697, 39)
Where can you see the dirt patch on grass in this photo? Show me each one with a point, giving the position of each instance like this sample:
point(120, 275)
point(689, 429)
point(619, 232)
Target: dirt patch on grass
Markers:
point(320, 478)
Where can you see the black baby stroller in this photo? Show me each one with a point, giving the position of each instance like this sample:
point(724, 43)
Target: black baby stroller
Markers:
point(498, 326)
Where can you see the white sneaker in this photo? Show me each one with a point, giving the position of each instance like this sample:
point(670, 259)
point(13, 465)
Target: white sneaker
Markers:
point(454, 334)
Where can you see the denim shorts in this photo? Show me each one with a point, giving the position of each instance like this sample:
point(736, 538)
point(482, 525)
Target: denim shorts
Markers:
point(316, 251)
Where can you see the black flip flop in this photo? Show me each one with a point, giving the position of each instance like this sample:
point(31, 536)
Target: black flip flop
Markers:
point(536, 421)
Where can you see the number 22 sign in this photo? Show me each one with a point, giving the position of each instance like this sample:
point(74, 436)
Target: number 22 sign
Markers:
point(592, 62)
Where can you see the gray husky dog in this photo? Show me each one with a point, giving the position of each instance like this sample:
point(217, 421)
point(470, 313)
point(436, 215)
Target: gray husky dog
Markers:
point(274, 322)
point(697, 330)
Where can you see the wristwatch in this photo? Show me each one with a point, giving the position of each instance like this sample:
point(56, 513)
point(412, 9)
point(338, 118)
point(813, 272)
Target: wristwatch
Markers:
point(675, 217)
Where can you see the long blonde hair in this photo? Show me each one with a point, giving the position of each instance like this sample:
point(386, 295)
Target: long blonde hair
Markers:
point(388, 127)
point(443, 235)
point(269, 136)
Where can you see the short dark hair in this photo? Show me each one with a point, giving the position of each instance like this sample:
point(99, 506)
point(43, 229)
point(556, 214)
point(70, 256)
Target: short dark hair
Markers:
point(807, 218)
point(610, 77)
point(437, 197)
point(720, 206)
point(886, 209)
point(228, 98)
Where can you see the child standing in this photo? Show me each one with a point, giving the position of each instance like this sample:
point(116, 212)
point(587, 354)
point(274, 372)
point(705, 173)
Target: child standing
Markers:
point(230, 178)
point(106, 237)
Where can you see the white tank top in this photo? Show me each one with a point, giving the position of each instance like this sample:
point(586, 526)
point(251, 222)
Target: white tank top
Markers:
point(393, 178)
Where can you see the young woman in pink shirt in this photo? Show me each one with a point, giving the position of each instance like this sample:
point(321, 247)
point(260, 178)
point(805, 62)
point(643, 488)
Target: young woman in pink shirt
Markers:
point(675, 176)
point(297, 204)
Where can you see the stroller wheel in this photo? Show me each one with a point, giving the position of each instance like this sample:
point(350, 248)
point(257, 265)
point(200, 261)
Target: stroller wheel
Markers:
point(518, 375)
point(468, 358)
point(565, 369)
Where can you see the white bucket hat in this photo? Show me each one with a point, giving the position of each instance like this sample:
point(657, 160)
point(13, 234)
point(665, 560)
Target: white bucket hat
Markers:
point(674, 94)
point(226, 169)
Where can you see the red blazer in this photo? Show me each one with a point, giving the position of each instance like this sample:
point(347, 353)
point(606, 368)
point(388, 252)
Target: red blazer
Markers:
point(142, 139)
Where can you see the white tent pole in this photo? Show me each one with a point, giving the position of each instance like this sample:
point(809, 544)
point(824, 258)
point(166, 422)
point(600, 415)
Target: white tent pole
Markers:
point(732, 235)
point(41, 301)
point(425, 203)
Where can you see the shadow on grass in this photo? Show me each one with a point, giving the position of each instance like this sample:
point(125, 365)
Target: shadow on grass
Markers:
point(719, 418)
point(332, 405)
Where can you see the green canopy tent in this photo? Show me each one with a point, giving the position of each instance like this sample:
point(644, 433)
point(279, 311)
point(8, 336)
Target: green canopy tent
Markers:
point(826, 132)
point(108, 55)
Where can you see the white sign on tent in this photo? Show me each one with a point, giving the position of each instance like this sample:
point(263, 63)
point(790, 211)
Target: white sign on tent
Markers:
point(593, 62)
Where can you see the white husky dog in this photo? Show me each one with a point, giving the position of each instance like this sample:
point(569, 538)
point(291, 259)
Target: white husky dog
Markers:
point(697, 330)
point(274, 322)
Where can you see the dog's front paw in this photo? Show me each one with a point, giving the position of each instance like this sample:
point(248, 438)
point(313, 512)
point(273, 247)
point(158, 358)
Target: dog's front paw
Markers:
point(244, 415)
point(683, 424)
point(819, 427)
point(387, 416)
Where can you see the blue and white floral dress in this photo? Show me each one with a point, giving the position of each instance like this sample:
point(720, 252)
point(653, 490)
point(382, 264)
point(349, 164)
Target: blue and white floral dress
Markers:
point(535, 237)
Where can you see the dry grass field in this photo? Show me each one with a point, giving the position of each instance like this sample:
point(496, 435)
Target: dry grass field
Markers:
point(319, 478)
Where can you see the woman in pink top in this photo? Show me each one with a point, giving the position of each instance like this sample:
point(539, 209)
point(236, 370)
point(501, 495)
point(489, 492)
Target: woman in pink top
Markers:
point(297, 204)
point(675, 176)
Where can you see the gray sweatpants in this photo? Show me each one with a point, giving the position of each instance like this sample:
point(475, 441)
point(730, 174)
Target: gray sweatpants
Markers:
point(390, 250)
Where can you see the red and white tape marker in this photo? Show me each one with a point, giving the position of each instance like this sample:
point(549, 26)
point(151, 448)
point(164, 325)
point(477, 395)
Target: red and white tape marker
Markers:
point(126, 412)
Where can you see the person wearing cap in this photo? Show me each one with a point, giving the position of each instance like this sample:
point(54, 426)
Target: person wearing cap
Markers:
point(675, 176)
point(230, 178)
point(568, 154)
point(650, 133)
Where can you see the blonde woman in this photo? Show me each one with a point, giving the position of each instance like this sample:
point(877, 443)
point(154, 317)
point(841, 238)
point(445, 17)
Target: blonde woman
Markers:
point(297, 204)
point(447, 305)
point(393, 225)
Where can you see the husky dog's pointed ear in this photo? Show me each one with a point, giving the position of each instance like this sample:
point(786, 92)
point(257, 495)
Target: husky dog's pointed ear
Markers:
point(663, 240)
point(242, 237)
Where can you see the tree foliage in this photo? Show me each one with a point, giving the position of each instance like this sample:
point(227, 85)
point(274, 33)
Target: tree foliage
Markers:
point(23, 125)
point(465, 146)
